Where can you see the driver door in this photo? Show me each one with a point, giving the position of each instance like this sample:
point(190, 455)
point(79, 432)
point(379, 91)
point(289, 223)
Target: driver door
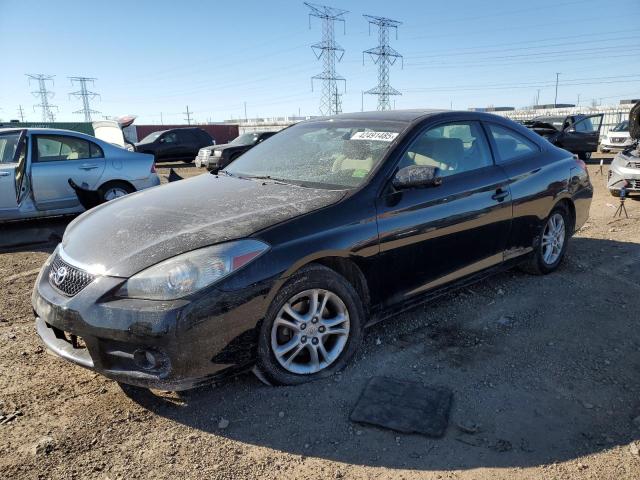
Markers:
point(435, 235)
point(13, 162)
point(582, 136)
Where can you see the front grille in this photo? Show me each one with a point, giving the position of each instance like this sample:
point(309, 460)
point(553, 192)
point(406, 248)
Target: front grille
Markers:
point(633, 165)
point(67, 279)
point(617, 139)
point(635, 184)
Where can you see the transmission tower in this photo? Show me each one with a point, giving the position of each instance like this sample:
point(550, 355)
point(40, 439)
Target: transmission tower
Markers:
point(44, 95)
point(330, 52)
point(188, 115)
point(384, 56)
point(85, 95)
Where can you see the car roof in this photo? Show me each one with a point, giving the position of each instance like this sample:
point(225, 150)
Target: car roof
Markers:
point(387, 115)
point(45, 131)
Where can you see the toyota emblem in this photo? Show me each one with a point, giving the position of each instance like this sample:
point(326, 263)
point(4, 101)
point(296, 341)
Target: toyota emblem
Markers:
point(58, 275)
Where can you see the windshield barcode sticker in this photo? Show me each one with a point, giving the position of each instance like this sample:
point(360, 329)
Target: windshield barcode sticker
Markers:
point(378, 136)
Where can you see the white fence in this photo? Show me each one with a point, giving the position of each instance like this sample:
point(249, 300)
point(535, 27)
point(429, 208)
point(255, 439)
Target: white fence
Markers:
point(612, 114)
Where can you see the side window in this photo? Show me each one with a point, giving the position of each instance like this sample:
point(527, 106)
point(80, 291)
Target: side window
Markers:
point(510, 145)
point(452, 147)
point(96, 151)
point(170, 137)
point(185, 136)
point(53, 148)
point(588, 125)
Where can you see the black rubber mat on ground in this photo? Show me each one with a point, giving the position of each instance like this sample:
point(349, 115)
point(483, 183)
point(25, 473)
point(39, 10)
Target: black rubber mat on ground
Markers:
point(406, 407)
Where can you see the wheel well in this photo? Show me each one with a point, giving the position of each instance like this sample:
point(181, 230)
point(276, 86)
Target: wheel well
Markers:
point(115, 182)
point(568, 204)
point(349, 270)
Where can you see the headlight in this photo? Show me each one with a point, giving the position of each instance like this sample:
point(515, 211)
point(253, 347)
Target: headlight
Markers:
point(217, 153)
point(187, 273)
point(130, 147)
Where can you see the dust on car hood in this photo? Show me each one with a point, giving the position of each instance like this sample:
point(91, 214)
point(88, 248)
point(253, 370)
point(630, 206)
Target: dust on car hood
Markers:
point(124, 236)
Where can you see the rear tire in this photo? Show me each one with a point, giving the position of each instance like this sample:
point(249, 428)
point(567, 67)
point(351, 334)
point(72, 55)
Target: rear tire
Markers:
point(554, 238)
point(112, 190)
point(294, 328)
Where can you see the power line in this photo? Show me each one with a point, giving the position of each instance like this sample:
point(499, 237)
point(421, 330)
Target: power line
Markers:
point(85, 95)
point(330, 52)
point(44, 95)
point(384, 56)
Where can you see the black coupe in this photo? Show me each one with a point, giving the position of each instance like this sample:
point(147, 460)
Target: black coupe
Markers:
point(330, 226)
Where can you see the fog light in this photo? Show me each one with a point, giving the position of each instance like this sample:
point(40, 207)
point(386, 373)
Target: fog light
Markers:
point(148, 359)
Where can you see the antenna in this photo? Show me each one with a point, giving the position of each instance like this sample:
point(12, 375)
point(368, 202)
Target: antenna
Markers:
point(330, 52)
point(384, 56)
point(44, 94)
point(85, 95)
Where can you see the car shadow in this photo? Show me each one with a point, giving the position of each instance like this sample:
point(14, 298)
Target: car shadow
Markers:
point(543, 370)
point(25, 235)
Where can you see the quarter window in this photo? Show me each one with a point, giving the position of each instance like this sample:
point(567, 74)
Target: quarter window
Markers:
point(511, 145)
point(53, 148)
point(96, 151)
point(453, 148)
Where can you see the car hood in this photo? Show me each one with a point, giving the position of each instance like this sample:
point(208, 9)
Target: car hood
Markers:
point(222, 146)
point(124, 236)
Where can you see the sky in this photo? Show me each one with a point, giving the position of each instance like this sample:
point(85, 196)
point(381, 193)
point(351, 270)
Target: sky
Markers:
point(155, 58)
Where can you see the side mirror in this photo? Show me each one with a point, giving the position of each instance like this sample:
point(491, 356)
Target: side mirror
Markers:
point(162, 140)
point(417, 176)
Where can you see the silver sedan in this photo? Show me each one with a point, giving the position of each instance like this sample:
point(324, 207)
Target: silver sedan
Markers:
point(36, 165)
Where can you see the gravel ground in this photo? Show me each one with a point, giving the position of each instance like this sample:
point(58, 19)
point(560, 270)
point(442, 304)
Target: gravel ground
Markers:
point(544, 371)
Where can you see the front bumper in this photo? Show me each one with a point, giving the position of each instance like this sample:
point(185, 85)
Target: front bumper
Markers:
point(194, 341)
point(618, 174)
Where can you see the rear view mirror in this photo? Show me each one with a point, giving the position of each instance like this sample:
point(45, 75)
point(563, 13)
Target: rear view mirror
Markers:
point(417, 176)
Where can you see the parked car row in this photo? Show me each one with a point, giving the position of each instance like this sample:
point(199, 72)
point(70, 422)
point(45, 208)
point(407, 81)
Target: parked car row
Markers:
point(578, 134)
point(316, 233)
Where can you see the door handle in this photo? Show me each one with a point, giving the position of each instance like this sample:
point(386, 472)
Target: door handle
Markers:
point(500, 194)
point(88, 166)
point(4, 174)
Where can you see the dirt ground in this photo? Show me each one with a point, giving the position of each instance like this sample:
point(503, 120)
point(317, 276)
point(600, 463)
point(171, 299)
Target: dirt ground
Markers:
point(545, 373)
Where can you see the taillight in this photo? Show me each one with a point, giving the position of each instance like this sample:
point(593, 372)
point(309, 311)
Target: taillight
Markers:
point(153, 167)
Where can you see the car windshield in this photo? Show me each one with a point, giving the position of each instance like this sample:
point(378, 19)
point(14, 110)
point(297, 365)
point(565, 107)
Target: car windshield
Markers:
point(330, 154)
point(151, 137)
point(8, 145)
point(621, 127)
point(244, 139)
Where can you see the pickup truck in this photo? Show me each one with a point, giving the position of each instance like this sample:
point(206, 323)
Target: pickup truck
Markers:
point(217, 157)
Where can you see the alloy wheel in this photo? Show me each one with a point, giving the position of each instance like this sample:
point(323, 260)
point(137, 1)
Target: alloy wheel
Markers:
point(553, 239)
point(310, 331)
point(114, 192)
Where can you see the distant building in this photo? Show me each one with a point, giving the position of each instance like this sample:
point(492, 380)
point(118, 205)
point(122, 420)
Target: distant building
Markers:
point(553, 105)
point(629, 102)
point(492, 109)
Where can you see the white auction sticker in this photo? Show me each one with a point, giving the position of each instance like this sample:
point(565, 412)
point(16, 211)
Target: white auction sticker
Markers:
point(378, 136)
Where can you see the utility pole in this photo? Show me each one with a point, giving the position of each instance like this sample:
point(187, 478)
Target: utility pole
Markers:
point(362, 100)
point(44, 95)
point(555, 102)
point(85, 95)
point(578, 102)
point(384, 56)
point(188, 114)
point(330, 52)
point(538, 97)
point(161, 120)
point(21, 113)
point(245, 112)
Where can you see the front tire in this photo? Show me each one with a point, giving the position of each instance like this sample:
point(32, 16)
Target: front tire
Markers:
point(312, 328)
point(554, 238)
